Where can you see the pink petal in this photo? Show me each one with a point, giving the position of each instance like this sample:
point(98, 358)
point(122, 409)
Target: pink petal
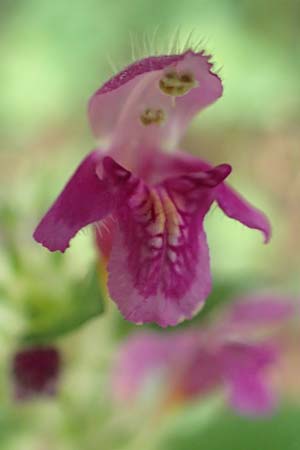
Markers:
point(261, 309)
point(159, 265)
point(138, 359)
point(244, 369)
point(159, 165)
point(115, 110)
point(139, 306)
point(84, 200)
point(104, 232)
point(179, 358)
point(251, 395)
point(203, 373)
point(155, 170)
point(232, 203)
point(176, 163)
point(236, 207)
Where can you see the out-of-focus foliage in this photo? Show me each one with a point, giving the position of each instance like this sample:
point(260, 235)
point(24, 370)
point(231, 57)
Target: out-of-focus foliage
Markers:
point(53, 56)
point(229, 432)
point(47, 307)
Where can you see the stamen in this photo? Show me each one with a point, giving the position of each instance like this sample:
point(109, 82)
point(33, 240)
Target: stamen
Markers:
point(153, 116)
point(177, 84)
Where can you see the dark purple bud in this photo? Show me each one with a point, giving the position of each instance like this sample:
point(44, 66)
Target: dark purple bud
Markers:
point(35, 372)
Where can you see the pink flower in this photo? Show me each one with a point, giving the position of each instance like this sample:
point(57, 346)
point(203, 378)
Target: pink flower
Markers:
point(192, 362)
point(151, 202)
point(35, 372)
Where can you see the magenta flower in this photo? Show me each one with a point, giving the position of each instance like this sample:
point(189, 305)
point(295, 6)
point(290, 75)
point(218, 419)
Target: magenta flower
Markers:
point(35, 372)
point(151, 202)
point(192, 363)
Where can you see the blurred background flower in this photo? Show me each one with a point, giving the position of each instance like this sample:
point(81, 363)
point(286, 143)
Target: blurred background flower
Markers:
point(53, 56)
point(235, 351)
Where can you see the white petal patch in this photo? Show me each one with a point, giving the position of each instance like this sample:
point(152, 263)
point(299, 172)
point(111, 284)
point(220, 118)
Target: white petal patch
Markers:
point(156, 242)
point(172, 255)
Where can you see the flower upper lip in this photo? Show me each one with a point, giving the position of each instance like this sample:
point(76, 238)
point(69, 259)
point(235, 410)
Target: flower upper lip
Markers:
point(114, 109)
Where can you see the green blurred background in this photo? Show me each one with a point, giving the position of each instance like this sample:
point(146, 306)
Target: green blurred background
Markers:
point(54, 55)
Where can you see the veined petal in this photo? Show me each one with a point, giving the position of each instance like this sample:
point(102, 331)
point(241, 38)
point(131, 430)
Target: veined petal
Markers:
point(156, 169)
point(152, 100)
point(232, 203)
point(120, 183)
point(84, 200)
point(140, 306)
point(244, 367)
point(159, 265)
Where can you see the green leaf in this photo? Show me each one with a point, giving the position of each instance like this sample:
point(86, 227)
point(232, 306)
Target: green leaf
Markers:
point(51, 316)
point(231, 432)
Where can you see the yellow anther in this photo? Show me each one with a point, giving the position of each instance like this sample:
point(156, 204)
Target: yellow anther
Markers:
point(177, 84)
point(153, 116)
